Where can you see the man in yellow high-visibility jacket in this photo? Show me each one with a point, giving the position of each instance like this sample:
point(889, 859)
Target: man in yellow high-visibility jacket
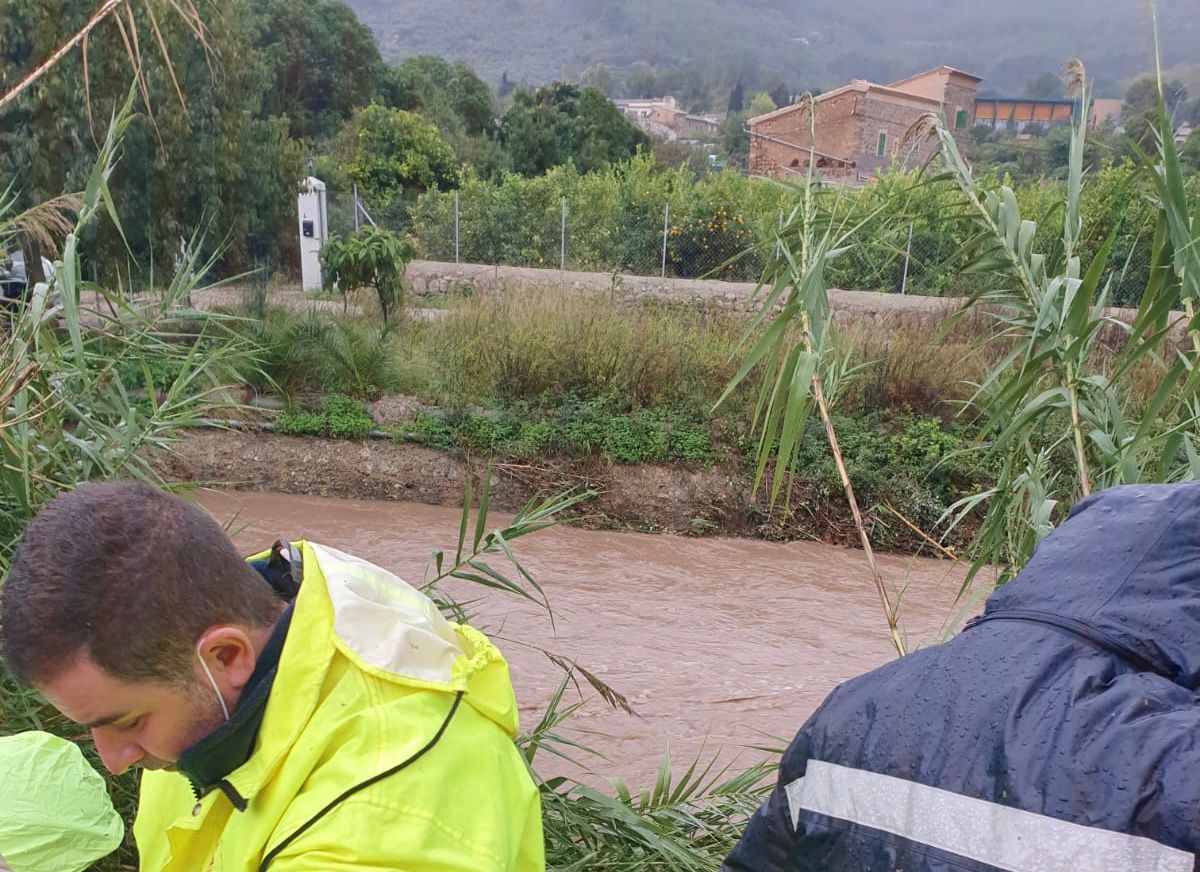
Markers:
point(349, 728)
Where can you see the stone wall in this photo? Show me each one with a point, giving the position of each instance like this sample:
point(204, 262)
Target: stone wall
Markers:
point(836, 133)
point(431, 278)
point(960, 94)
point(893, 118)
point(873, 309)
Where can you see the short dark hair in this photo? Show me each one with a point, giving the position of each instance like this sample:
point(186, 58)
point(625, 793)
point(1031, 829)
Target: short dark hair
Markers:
point(131, 576)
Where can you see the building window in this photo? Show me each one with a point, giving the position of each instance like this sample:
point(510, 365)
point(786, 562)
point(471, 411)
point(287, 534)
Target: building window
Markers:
point(960, 119)
point(881, 146)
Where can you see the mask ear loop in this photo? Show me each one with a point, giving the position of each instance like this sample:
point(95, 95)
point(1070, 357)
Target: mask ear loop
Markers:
point(212, 681)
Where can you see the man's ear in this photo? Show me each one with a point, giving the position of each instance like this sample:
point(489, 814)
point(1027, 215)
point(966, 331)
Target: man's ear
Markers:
point(230, 654)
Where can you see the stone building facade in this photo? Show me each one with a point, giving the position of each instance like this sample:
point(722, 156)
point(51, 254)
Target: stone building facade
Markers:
point(860, 128)
point(663, 118)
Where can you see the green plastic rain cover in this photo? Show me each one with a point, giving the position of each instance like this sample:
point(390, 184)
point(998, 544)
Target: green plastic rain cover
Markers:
point(55, 814)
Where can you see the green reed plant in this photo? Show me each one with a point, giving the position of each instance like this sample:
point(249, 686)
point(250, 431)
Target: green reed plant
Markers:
point(798, 351)
point(1056, 409)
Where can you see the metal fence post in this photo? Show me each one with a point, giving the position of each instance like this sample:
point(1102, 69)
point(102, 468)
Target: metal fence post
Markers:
point(355, 195)
point(456, 227)
point(907, 253)
point(666, 226)
point(562, 248)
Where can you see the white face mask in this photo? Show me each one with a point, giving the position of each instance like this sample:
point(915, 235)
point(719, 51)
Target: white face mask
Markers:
point(212, 681)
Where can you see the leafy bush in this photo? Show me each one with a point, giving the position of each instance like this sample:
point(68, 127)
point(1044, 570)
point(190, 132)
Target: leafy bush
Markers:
point(371, 258)
point(340, 418)
point(918, 464)
point(299, 423)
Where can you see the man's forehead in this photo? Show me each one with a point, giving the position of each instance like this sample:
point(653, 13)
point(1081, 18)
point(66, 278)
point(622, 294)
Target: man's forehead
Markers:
point(88, 695)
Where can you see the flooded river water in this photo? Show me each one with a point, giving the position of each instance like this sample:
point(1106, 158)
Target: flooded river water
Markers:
point(718, 644)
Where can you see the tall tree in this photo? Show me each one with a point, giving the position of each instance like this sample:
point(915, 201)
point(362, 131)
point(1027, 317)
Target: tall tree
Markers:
point(562, 122)
point(761, 104)
point(735, 141)
point(780, 94)
point(737, 97)
point(1139, 111)
point(323, 62)
point(394, 156)
point(598, 76)
point(210, 157)
point(448, 94)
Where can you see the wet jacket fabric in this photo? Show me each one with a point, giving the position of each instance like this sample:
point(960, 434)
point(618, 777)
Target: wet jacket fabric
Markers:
point(1060, 731)
point(386, 743)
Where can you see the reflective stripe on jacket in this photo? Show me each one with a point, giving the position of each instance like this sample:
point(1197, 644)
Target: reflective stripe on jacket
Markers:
point(1059, 732)
point(372, 680)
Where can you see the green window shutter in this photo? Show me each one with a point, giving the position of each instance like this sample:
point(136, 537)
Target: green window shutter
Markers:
point(960, 119)
point(881, 147)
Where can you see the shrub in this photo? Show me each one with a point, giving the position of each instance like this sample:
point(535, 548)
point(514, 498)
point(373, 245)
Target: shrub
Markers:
point(340, 418)
point(370, 257)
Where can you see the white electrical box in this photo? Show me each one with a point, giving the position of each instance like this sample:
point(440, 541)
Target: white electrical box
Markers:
point(314, 230)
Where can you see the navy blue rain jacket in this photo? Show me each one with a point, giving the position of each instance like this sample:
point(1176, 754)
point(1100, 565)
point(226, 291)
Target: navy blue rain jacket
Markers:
point(1060, 731)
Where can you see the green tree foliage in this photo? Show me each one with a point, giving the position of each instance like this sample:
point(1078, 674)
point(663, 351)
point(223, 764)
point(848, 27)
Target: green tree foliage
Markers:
point(599, 76)
point(780, 94)
point(735, 141)
point(215, 159)
point(505, 87)
point(448, 94)
point(737, 98)
point(688, 84)
point(369, 258)
point(393, 156)
point(323, 64)
point(1139, 112)
point(1189, 155)
point(761, 105)
point(562, 123)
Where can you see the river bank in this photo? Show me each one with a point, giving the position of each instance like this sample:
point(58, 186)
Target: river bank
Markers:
point(716, 499)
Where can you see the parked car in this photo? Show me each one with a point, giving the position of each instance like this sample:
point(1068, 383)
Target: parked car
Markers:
point(13, 280)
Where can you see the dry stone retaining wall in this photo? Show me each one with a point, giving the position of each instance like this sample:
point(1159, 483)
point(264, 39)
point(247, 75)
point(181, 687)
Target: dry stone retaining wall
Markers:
point(872, 308)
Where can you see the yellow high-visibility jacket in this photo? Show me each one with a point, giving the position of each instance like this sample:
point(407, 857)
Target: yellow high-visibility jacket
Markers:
point(372, 683)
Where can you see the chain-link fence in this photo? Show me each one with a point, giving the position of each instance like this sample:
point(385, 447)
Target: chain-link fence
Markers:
point(730, 231)
point(645, 241)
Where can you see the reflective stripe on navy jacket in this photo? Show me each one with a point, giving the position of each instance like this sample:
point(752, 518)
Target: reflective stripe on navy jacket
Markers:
point(1059, 732)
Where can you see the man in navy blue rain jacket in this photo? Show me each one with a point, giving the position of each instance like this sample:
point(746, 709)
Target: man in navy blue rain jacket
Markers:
point(1059, 732)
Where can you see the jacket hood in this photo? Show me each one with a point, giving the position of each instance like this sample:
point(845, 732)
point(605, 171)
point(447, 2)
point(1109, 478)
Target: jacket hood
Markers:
point(1123, 570)
point(392, 630)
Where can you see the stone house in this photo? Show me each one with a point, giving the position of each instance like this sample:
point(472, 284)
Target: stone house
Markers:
point(664, 118)
point(861, 127)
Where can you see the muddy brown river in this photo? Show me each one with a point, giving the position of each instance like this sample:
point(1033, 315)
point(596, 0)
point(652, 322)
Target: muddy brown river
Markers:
point(718, 644)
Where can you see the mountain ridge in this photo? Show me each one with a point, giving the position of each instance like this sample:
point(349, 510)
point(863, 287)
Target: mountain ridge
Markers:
point(797, 42)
